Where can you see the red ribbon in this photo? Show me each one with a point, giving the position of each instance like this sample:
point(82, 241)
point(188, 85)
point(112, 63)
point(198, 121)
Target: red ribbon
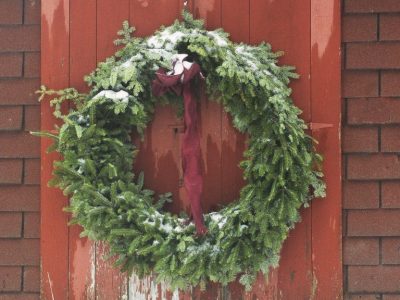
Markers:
point(179, 81)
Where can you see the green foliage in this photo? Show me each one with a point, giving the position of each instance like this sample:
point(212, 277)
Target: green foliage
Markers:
point(280, 166)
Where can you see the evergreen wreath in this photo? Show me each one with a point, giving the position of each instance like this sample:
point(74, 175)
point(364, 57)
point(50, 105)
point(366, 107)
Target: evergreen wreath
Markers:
point(281, 166)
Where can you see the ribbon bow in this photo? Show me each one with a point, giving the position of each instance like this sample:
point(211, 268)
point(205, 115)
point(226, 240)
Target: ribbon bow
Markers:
point(178, 81)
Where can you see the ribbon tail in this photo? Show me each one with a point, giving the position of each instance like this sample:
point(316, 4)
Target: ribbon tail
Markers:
point(191, 153)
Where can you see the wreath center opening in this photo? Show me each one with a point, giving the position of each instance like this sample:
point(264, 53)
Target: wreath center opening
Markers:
point(189, 149)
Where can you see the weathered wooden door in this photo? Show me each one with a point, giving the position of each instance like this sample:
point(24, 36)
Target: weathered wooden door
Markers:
point(76, 34)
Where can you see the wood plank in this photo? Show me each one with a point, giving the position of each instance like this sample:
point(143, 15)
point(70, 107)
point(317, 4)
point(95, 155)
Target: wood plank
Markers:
point(211, 141)
point(159, 152)
point(235, 21)
point(159, 156)
point(110, 282)
point(109, 21)
point(82, 252)
point(54, 230)
point(326, 108)
point(159, 143)
point(285, 25)
point(210, 121)
point(210, 125)
point(209, 11)
point(147, 16)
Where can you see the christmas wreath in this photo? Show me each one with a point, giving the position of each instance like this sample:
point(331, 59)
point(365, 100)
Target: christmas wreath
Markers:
point(110, 202)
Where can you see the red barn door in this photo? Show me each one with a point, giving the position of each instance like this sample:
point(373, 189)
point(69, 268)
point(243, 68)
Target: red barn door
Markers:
point(77, 34)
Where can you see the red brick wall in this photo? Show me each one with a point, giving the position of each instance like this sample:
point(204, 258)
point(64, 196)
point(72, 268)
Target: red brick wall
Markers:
point(371, 147)
point(19, 151)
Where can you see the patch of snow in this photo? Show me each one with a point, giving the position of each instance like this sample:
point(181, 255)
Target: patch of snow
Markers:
point(243, 227)
point(220, 41)
point(247, 56)
point(155, 42)
point(128, 63)
point(82, 119)
point(215, 216)
point(162, 53)
point(122, 96)
point(202, 248)
point(252, 65)
point(165, 39)
point(267, 73)
point(167, 228)
point(218, 218)
point(175, 37)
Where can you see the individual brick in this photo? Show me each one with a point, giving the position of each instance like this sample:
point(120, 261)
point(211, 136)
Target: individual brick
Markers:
point(356, 28)
point(390, 139)
point(19, 144)
point(20, 296)
point(373, 166)
point(374, 279)
point(389, 27)
point(11, 171)
point(390, 86)
point(391, 251)
point(32, 65)
point(10, 278)
point(31, 279)
point(363, 297)
point(391, 297)
point(20, 38)
point(360, 139)
point(32, 12)
point(361, 251)
point(371, 6)
point(19, 198)
point(373, 223)
point(32, 171)
point(10, 117)
point(391, 194)
point(11, 64)
point(373, 55)
point(10, 225)
point(32, 118)
point(357, 83)
point(31, 225)
point(360, 195)
point(19, 91)
point(362, 111)
point(16, 252)
point(10, 12)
